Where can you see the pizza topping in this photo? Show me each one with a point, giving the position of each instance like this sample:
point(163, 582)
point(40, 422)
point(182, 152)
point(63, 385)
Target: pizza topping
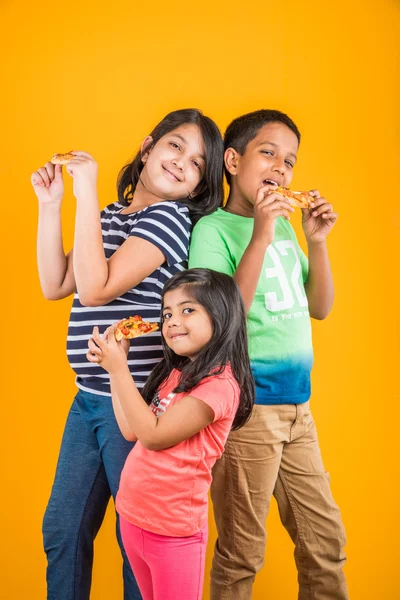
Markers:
point(134, 327)
point(300, 199)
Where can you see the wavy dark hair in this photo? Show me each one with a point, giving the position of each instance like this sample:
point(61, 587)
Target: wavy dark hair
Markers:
point(220, 296)
point(209, 193)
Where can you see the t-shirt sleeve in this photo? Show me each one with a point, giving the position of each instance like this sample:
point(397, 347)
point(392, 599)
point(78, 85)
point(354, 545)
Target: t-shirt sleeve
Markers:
point(209, 250)
point(219, 393)
point(111, 208)
point(168, 227)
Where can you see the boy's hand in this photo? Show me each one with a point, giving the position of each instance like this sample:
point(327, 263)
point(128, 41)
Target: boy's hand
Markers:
point(267, 208)
point(83, 170)
point(106, 351)
point(48, 184)
point(319, 219)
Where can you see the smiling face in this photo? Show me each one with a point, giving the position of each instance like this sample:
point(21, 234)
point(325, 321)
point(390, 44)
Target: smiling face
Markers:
point(268, 159)
point(186, 327)
point(174, 167)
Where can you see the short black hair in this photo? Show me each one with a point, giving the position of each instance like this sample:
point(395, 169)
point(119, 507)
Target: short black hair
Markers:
point(219, 294)
point(209, 193)
point(245, 128)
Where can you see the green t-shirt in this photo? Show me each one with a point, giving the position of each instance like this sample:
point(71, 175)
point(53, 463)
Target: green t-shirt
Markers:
point(278, 322)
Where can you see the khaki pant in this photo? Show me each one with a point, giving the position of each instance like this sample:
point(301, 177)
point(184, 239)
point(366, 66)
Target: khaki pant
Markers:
point(277, 452)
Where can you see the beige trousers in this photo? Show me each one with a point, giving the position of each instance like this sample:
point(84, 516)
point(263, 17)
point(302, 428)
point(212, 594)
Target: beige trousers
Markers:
point(276, 452)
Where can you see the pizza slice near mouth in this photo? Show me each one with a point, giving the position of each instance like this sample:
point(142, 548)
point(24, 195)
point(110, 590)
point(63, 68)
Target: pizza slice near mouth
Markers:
point(299, 199)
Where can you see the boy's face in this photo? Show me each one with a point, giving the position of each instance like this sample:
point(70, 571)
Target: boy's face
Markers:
point(268, 160)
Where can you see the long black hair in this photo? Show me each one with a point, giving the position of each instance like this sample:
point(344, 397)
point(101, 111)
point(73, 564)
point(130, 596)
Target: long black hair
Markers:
point(209, 193)
point(220, 296)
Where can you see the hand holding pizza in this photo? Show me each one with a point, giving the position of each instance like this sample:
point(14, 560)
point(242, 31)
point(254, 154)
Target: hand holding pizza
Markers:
point(83, 169)
point(106, 351)
point(319, 219)
point(267, 207)
point(48, 184)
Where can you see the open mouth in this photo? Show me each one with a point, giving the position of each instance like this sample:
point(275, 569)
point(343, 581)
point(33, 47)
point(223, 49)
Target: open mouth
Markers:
point(270, 182)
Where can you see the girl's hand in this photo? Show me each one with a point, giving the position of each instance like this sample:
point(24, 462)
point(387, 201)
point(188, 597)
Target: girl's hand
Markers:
point(48, 184)
point(267, 208)
point(83, 170)
point(319, 219)
point(106, 351)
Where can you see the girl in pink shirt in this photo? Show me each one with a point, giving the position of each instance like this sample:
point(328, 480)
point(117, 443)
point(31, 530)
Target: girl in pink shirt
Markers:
point(201, 390)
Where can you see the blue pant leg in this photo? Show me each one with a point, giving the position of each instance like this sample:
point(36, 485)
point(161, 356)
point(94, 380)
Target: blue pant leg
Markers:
point(76, 509)
point(114, 450)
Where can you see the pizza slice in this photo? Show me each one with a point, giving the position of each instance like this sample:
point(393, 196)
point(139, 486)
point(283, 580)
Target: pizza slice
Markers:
point(133, 327)
point(62, 159)
point(300, 199)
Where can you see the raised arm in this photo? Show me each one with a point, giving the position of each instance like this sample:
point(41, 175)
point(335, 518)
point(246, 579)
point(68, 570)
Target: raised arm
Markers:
point(210, 252)
point(55, 268)
point(137, 421)
point(317, 224)
point(123, 423)
point(99, 281)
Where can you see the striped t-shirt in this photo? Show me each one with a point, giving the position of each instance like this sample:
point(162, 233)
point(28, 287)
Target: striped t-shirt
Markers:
point(167, 225)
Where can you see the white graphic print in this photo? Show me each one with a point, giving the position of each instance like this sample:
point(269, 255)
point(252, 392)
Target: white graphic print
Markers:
point(159, 405)
point(277, 271)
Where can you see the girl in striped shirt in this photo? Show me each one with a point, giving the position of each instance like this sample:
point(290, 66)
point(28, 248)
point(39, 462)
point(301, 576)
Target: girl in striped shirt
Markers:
point(121, 259)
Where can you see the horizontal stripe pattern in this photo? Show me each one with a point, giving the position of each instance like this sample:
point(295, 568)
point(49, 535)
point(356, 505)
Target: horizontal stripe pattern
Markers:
point(165, 224)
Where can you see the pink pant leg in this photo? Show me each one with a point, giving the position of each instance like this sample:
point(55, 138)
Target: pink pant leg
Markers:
point(132, 538)
point(176, 564)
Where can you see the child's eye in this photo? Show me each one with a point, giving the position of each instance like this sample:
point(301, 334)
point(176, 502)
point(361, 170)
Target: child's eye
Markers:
point(166, 316)
point(187, 311)
point(175, 145)
point(197, 164)
point(269, 152)
point(288, 162)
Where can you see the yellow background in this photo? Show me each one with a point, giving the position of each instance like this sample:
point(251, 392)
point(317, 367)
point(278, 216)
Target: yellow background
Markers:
point(83, 76)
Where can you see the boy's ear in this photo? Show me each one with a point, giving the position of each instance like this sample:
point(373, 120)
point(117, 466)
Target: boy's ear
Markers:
point(145, 144)
point(231, 158)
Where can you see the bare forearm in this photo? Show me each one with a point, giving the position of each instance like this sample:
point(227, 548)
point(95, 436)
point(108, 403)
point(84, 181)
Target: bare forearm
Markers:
point(121, 419)
point(90, 264)
point(52, 262)
point(141, 421)
point(248, 272)
point(319, 285)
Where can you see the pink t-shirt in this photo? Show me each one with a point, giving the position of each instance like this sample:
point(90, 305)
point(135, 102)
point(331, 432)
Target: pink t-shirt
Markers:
point(166, 491)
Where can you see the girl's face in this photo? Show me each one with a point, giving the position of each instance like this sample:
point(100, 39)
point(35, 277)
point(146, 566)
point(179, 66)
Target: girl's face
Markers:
point(186, 327)
point(174, 167)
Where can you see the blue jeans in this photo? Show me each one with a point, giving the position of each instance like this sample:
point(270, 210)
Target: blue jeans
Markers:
point(92, 455)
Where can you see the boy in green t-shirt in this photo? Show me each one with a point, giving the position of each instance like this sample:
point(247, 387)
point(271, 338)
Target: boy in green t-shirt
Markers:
point(277, 452)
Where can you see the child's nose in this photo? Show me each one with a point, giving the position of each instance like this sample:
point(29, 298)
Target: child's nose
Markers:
point(280, 166)
point(173, 321)
point(178, 162)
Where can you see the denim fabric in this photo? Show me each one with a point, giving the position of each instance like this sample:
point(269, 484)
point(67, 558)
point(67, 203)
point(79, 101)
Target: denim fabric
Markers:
point(92, 455)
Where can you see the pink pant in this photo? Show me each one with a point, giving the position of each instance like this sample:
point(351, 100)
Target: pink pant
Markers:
point(166, 568)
